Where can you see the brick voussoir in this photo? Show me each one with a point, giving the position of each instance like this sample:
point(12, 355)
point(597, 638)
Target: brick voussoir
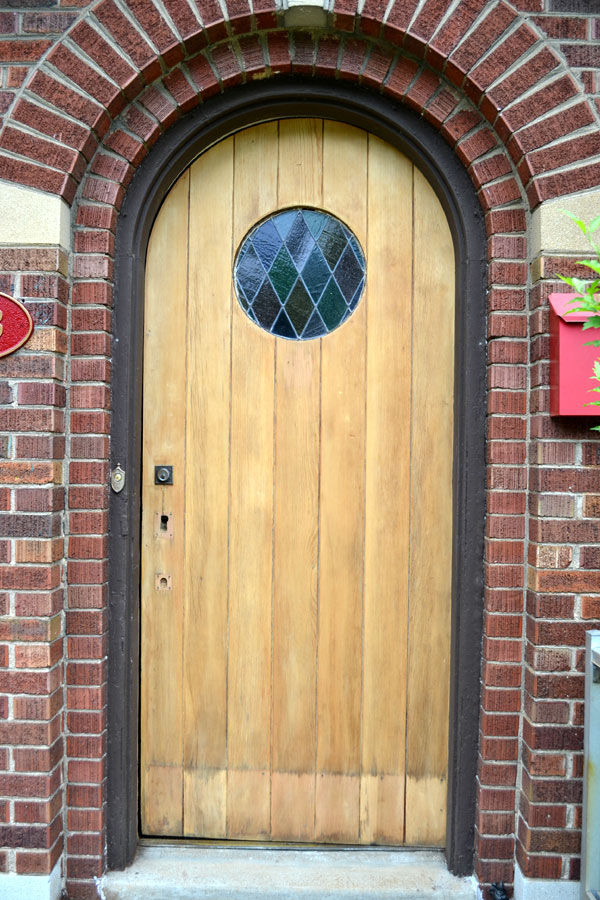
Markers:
point(425, 25)
point(53, 90)
point(73, 68)
point(537, 68)
point(253, 53)
point(129, 38)
point(511, 49)
point(157, 30)
point(482, 35)
point(92, 42)
point(186, 24)
point(46, 152)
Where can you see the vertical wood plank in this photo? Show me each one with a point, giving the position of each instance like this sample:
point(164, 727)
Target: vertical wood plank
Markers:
point(341, 516)
point(251, 515)
point(161, 757)
point(387, 494)
point(430, 520)
point(295, 534)
point(207, 491)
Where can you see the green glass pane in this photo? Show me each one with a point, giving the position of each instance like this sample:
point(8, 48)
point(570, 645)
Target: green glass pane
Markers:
point(316, 274)
point(332, 306)
point(299, 306)
point(315, 221)
point(283, 274)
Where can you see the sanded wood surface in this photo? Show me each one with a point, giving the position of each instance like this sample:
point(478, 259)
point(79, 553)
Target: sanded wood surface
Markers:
point(342, 517)
point(288, 690)
point(296, 525)
point(388, 406)
point(207, 495)
point(162, 589)
point(430, 521)
point(251, 516)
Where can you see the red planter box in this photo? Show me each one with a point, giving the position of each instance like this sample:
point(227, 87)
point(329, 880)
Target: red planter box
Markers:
point(571, 362)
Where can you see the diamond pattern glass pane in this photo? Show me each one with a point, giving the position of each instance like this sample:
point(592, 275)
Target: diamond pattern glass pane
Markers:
point(299, 274)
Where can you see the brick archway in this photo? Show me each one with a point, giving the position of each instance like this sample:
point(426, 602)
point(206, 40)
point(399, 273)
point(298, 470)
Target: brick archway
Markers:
point(169, 63)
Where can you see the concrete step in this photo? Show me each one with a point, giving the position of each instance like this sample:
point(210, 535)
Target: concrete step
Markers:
point(168, 872)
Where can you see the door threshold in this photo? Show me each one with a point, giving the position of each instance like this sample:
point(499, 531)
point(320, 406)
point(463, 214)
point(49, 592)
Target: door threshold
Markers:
point(184, 871)
point(229, 844)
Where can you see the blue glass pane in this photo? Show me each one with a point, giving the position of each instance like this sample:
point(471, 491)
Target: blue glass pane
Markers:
point(267, 243)
point(315, 328)
point(348, 273)
point(250, 273)
point(283, 221)
point(299, 274)
point(299, 242)
point(283, 326)
point(357, 295)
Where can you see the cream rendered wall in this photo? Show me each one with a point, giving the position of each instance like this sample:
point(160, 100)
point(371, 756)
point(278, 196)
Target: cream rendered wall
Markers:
point(552, 232)
point(32, 218)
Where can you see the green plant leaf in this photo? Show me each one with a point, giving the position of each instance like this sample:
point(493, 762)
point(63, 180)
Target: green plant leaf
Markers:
point(591, 264)
point(581, 225)
point(579, 284)
point(592, 322)
point(592, 344)
point(566, 280)
point(586, 304)
point(594, 224)
point(595, 428)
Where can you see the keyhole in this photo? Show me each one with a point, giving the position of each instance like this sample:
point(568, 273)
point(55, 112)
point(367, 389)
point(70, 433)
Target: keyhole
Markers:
point(163, 583)
point(164, 522)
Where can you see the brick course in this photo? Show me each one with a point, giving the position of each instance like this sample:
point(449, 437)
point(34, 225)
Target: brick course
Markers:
point(86, 91)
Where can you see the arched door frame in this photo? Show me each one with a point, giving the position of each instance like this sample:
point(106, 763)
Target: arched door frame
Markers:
point(219, 117)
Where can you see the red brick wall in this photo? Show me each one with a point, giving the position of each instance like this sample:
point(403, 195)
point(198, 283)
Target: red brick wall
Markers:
point(502, 82)
point(32, 500)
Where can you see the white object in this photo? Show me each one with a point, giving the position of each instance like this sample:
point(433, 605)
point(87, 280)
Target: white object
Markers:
point(32, 887)
point(590, 826)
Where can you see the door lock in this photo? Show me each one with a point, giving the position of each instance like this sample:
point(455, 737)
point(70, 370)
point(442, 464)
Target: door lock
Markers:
point(163, 474)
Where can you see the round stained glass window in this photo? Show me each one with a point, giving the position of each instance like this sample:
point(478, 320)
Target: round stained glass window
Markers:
point(299, 274)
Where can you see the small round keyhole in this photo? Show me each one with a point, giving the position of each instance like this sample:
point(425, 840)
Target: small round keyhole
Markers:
point(163, 583)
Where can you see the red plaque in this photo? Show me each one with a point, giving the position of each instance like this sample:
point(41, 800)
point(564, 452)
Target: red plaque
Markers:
point(16, 324)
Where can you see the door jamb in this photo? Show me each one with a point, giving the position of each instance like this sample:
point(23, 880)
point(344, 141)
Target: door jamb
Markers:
point(214, 120)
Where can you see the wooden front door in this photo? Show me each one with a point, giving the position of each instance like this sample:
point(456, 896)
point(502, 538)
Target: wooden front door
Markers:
point(296, 573)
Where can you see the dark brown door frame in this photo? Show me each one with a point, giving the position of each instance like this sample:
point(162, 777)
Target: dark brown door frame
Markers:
point(221, 116)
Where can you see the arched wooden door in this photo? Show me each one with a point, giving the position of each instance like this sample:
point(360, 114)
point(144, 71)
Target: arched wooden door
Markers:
point(296, 573)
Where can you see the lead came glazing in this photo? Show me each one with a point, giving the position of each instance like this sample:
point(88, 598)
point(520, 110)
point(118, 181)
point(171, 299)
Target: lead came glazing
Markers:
point(299, 274)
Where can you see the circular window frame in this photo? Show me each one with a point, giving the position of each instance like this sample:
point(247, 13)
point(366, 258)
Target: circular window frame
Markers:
point(324, 329)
